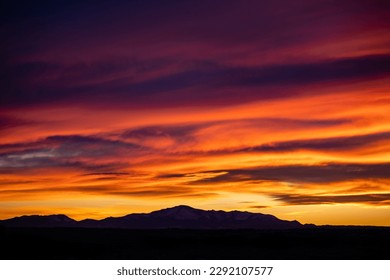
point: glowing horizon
(278, 109)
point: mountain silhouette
(182, 216)
(40, 221)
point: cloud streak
(326, 173)
(207, 79)
(375, 199)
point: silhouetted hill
(183, 217)
(183, 232)
(40, 221)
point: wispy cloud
(325, 173)
(162, 88)
(375, 199)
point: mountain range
(182, 216)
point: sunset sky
(114, 107)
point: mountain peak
(179, 207)
(181, 212)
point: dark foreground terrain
(82, 243)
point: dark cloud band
(375, 199)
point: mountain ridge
(181, 216)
